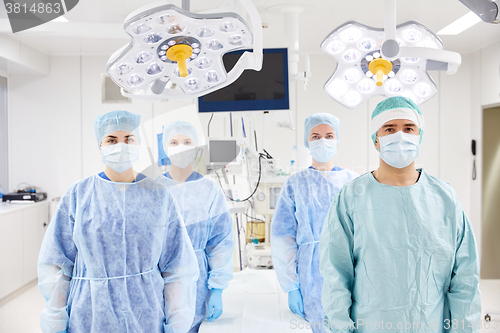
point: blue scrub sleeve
(55, 267)
(464, 297)
(284, 247)
(337, 264)
(179, 268)
(220, 245)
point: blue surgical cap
(318, 119)
(179, 127)
(397, 107)
(116, 121)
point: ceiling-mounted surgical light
(172, 44)
(390, 62)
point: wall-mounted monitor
(263, 90)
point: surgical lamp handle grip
(453, 59)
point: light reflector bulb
(214, 45)
(141, 28)
(211, 77)
(191, 84)
(176, 72)
(351, 55)
(336, 47)
(352, 98)
(154, 69)
(228, 27)
(366, 44)
(350, 34)
(153, 38)
(236, 40)
(408, 76)
(135, 80)
(175, 29)
(366, 86)
(203, 63)
(166, 19)
(412, 35)
(393, 86)
(205, 32)
(422, 89)
(144, 57)
(123, 69)
(352, 75)
(410, 60)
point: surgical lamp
(178, 54)
(391, 62)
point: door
(490, 261)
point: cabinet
(11, 253)
(22, 228)
(34, 221)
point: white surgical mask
(323, 150)
(121, 156)
(181, 155)
(399, 149)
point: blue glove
(215, 305)
(295, 302)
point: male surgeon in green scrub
(398, 253)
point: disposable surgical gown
(295, 232)
(399, 259)
(116, 257)
(210, 227)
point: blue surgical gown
(210, 227)
(116, 257)
(295, 232)
(404, 256)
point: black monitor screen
(266, 89)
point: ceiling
(95, 26)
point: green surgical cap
(397, 107)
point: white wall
(45, 133)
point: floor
(20, 315)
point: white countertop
(9, 207)
(254, 302)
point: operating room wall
(53, 144)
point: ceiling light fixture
(172, 44)
(391, 62)
(465, 22)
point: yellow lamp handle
(380, 75)
(180, 57)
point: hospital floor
(20, 315)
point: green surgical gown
(399, 259)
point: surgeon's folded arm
(337, 265)
(284, 247)
(464, 297)
(179, 268)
